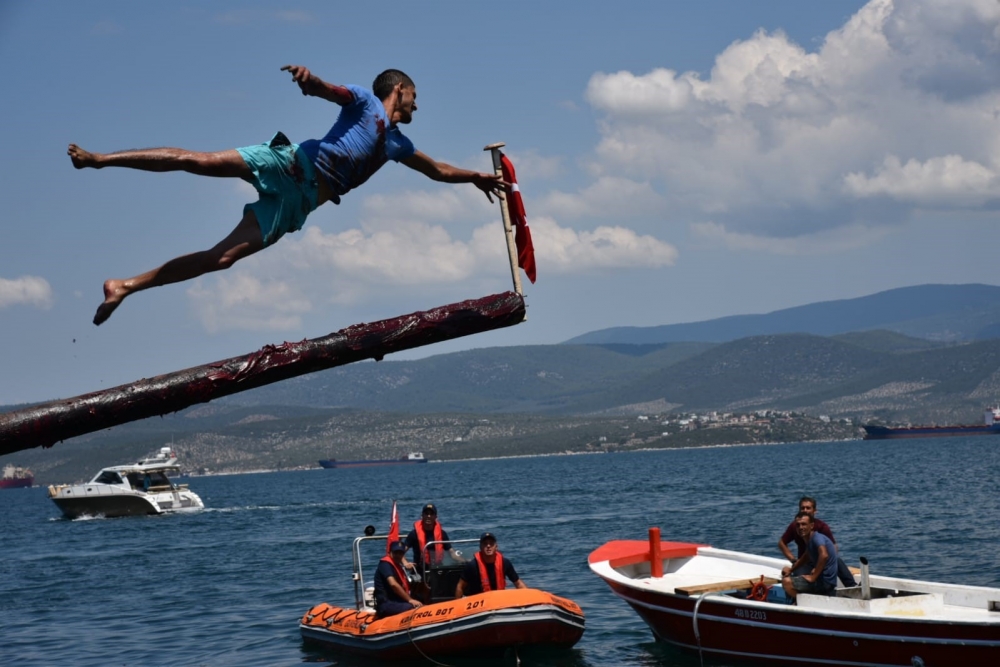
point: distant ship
(16, 478)
(990, 426)
(412, 457)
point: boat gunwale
(968, 617)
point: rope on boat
(409, 635)
(694, 620)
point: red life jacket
(418, 528)
(484, 577)
(400, 577)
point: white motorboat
(128, 490)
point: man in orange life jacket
(392, 589)
(427, 530)
(486, 572)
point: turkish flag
(518, 219)
(393, 530)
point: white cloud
(623, 92)
(532, 166)
(237, 300)
(937, 180)
(566, 250)
(777, 142)
(402, 253)
(26, 290)
(440, 205)
(820, 243)
(262, 16)
(608, 196)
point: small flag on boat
(393, 529)
(518, 219)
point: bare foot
(82, 158)
(114, 294)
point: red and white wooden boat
(703, 599)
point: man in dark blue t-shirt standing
(291, 179)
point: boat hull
(110, 502)
(484, 624)
(767, 634)
(694, 601)
(886, 433)
(17, 483)
(367, 464)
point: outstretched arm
(490, 184)
(785, 550)
(310, 84)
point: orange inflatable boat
(484, 624)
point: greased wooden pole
(505, 215)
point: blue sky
(678, 161)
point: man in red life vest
(428, 530)
(392, 589)
(486, 572)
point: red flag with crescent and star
(393, 530)
(518, 219)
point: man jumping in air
(293, 180)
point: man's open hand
(302, 76)
(490, 184)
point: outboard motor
(866, 587)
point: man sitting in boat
(807, 504)
(392, 588)
(821, 552)
(487, 571)
(426, 530)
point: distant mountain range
(935, 312)
(946, 376)
(559, 396)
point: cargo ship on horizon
(412, 457)
(16, 478)
(990, 426)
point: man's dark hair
(807, 499)
(387, 80)
(807, 515)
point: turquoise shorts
(286, 181)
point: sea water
(227, 586)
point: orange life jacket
(484, 577)
(418, 528)
(400, 577)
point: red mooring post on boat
(46, 424)
(655, 559)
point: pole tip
(499, 144)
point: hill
(933, 312)
(572, 397)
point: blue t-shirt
(829, 574)
(358, 144)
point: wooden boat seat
(736, 584)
